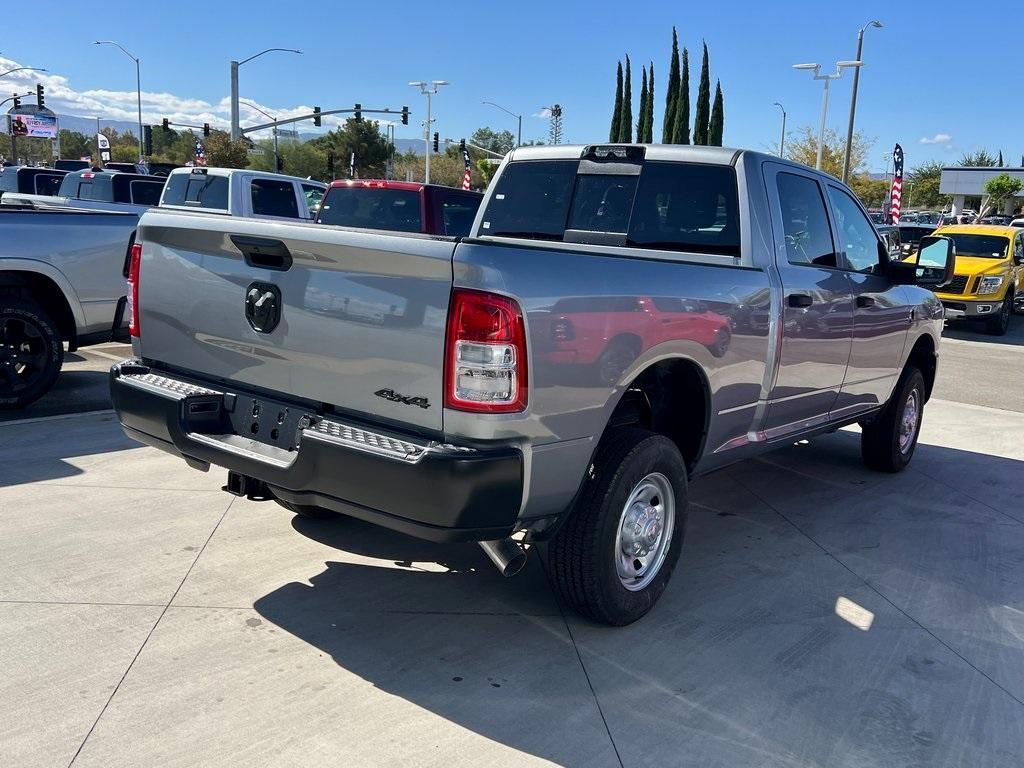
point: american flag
(200, 153)
(896, 195)
(467, 177)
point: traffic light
(330, 164)
(17, 103)
(359, 112)
(316, 116)
(405, 115)
(206, 129)
(437, 141)
(40, 100)
(147, 140)
(166, 125)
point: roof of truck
(701, 154)
(200, 169)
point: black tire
(722, 341)
(615, 359)
(885, 443)
(581, 557)
(309, 512)
(31, 353)
(1000, 324)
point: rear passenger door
(817, 311)
(881, 315)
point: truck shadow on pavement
(970, 331)
(821, 614)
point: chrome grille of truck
(373, 442)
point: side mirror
(930, 266)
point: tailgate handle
(263, 252)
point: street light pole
(277, 154)
(428, 90)
(236, 128)
(519, 119)
(853, 99)
(138, 86)
(782, 140)
(840, 66)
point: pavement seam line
(875, 589)
(149, 634)
(967, 495)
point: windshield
(981, 246)
(397, 210)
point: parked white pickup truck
(242, 193)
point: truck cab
(240, 192)
(29, 180)
(98, 190)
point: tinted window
(48, 183)
(531, 199)
(197, 190)
(686, 207)
(397, 210)
(983, 246)
(97, 188)
(313, 197)
(805, 221)
(146, 192)
(602, 203)
(458, 214)
(8, 181)
(913, 235)
(857, 234)
(274, 198)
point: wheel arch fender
(38, 275)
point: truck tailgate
(360, 320)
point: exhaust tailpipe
(507, 554)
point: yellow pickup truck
(988, 284)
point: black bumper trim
(450, 493)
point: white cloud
(123, 105)
(938, 138)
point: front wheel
(887, 444)
(613, 557)
(1000, 324)
(31, 353)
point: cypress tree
(999, 162)
(641, 118)
(649, 120)
(700, 126)
(671, 92)
(681, 134)
(717, 125)
(626, 118)
(613, 134)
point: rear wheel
(613, 557)
(1000, 323)
(31, 353)
(887, 444)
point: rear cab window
(146, 192)
(398, 210)
(202, 191)
(618, 200)
(274, 197)
(48, 183)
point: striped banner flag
(896, 194)
(467, 177)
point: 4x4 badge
(394, 397)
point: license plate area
(259, 419)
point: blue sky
(935, 71)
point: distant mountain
(87, 125)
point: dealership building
(964, 182)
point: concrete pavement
(821, 614)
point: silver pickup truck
(621, 319)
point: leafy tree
(649, 120)
(626, 118)
(365, 139)
(671, 93)
(979, 159)
(804, 149)
(871, 192)
(998, 190)
(496, 141)
(299, 158)
(124, 153)
(222, 152)
(681, 131)
(717, 125)
(613, 133)
(700, 126)
(925, 179)
(73, 144)
(641, 120)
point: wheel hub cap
(645, 531)
(908, 424)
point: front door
(817, 312)
(881, 312)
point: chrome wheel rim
(908, 423)
(645, 531)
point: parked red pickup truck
(400, 206)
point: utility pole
(428, 90)
(853, 99)
(236, 130)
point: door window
(274, 198)
(805, 221)
(857, 235)
(1018, 250)
(313, 195)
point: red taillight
(485, 356)
(133, 289)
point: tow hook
(249, 487)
